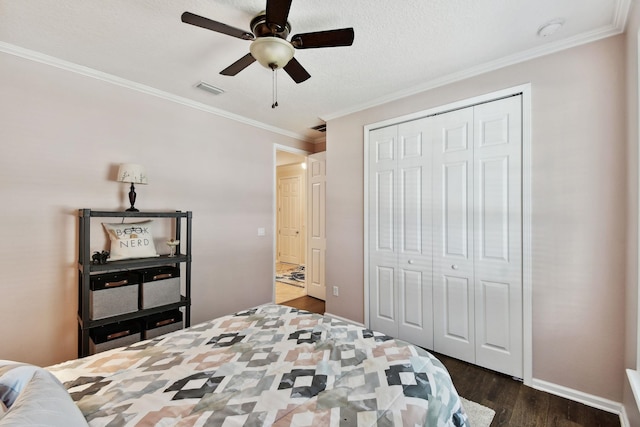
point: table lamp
(134, 174)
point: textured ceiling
(400, 47)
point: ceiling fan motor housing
(261, 28)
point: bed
(270, 365)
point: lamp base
(132, 199)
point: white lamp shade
(271, 52)
(131, 172)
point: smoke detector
(549, 28)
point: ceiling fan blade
(239, 65)
(296, 71)
(278, 12)
(330, 38)
(219, 27)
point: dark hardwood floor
(516, 405)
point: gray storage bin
(113, 336)
(162, 323)
(159, 286)
(112, 294)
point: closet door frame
(527, 282)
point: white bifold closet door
(400, 259)
(445, 233)
(477, 234)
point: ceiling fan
(268, 36)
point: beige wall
(579, 218)
(62, 136)
(631, 335)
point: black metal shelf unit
(86, 268)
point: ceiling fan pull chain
(275, 88)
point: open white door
(315, 268)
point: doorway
(290, 225)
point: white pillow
(14, 376)
(130, 240)
(39, 400)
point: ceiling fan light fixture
(271, 52)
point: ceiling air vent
(209, 88)
(320, 128)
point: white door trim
(527, 280)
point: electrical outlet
(335, 291)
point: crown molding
(622, 14)
(119, 81)
(618, 27)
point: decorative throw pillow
(130, 240)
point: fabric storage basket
(159, 286)
(112, 294)
(162, 323)
(114, 335)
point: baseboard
(581, 397)
(624, 418)
(342, 319)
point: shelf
(127, 264)
(88, 271)
(88, 324)
(125, 214)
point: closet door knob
(411, 261)
(454, 267)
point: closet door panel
(411, 296)
(495, 310)
(498, 235)
(414, 235)
(382, 231)
(456, 291)
(384, 290)
(451, 136)
(385, 206)
(493, 209)
(455, 209)
(411, 238)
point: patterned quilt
(271, 365)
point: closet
(445, 233)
